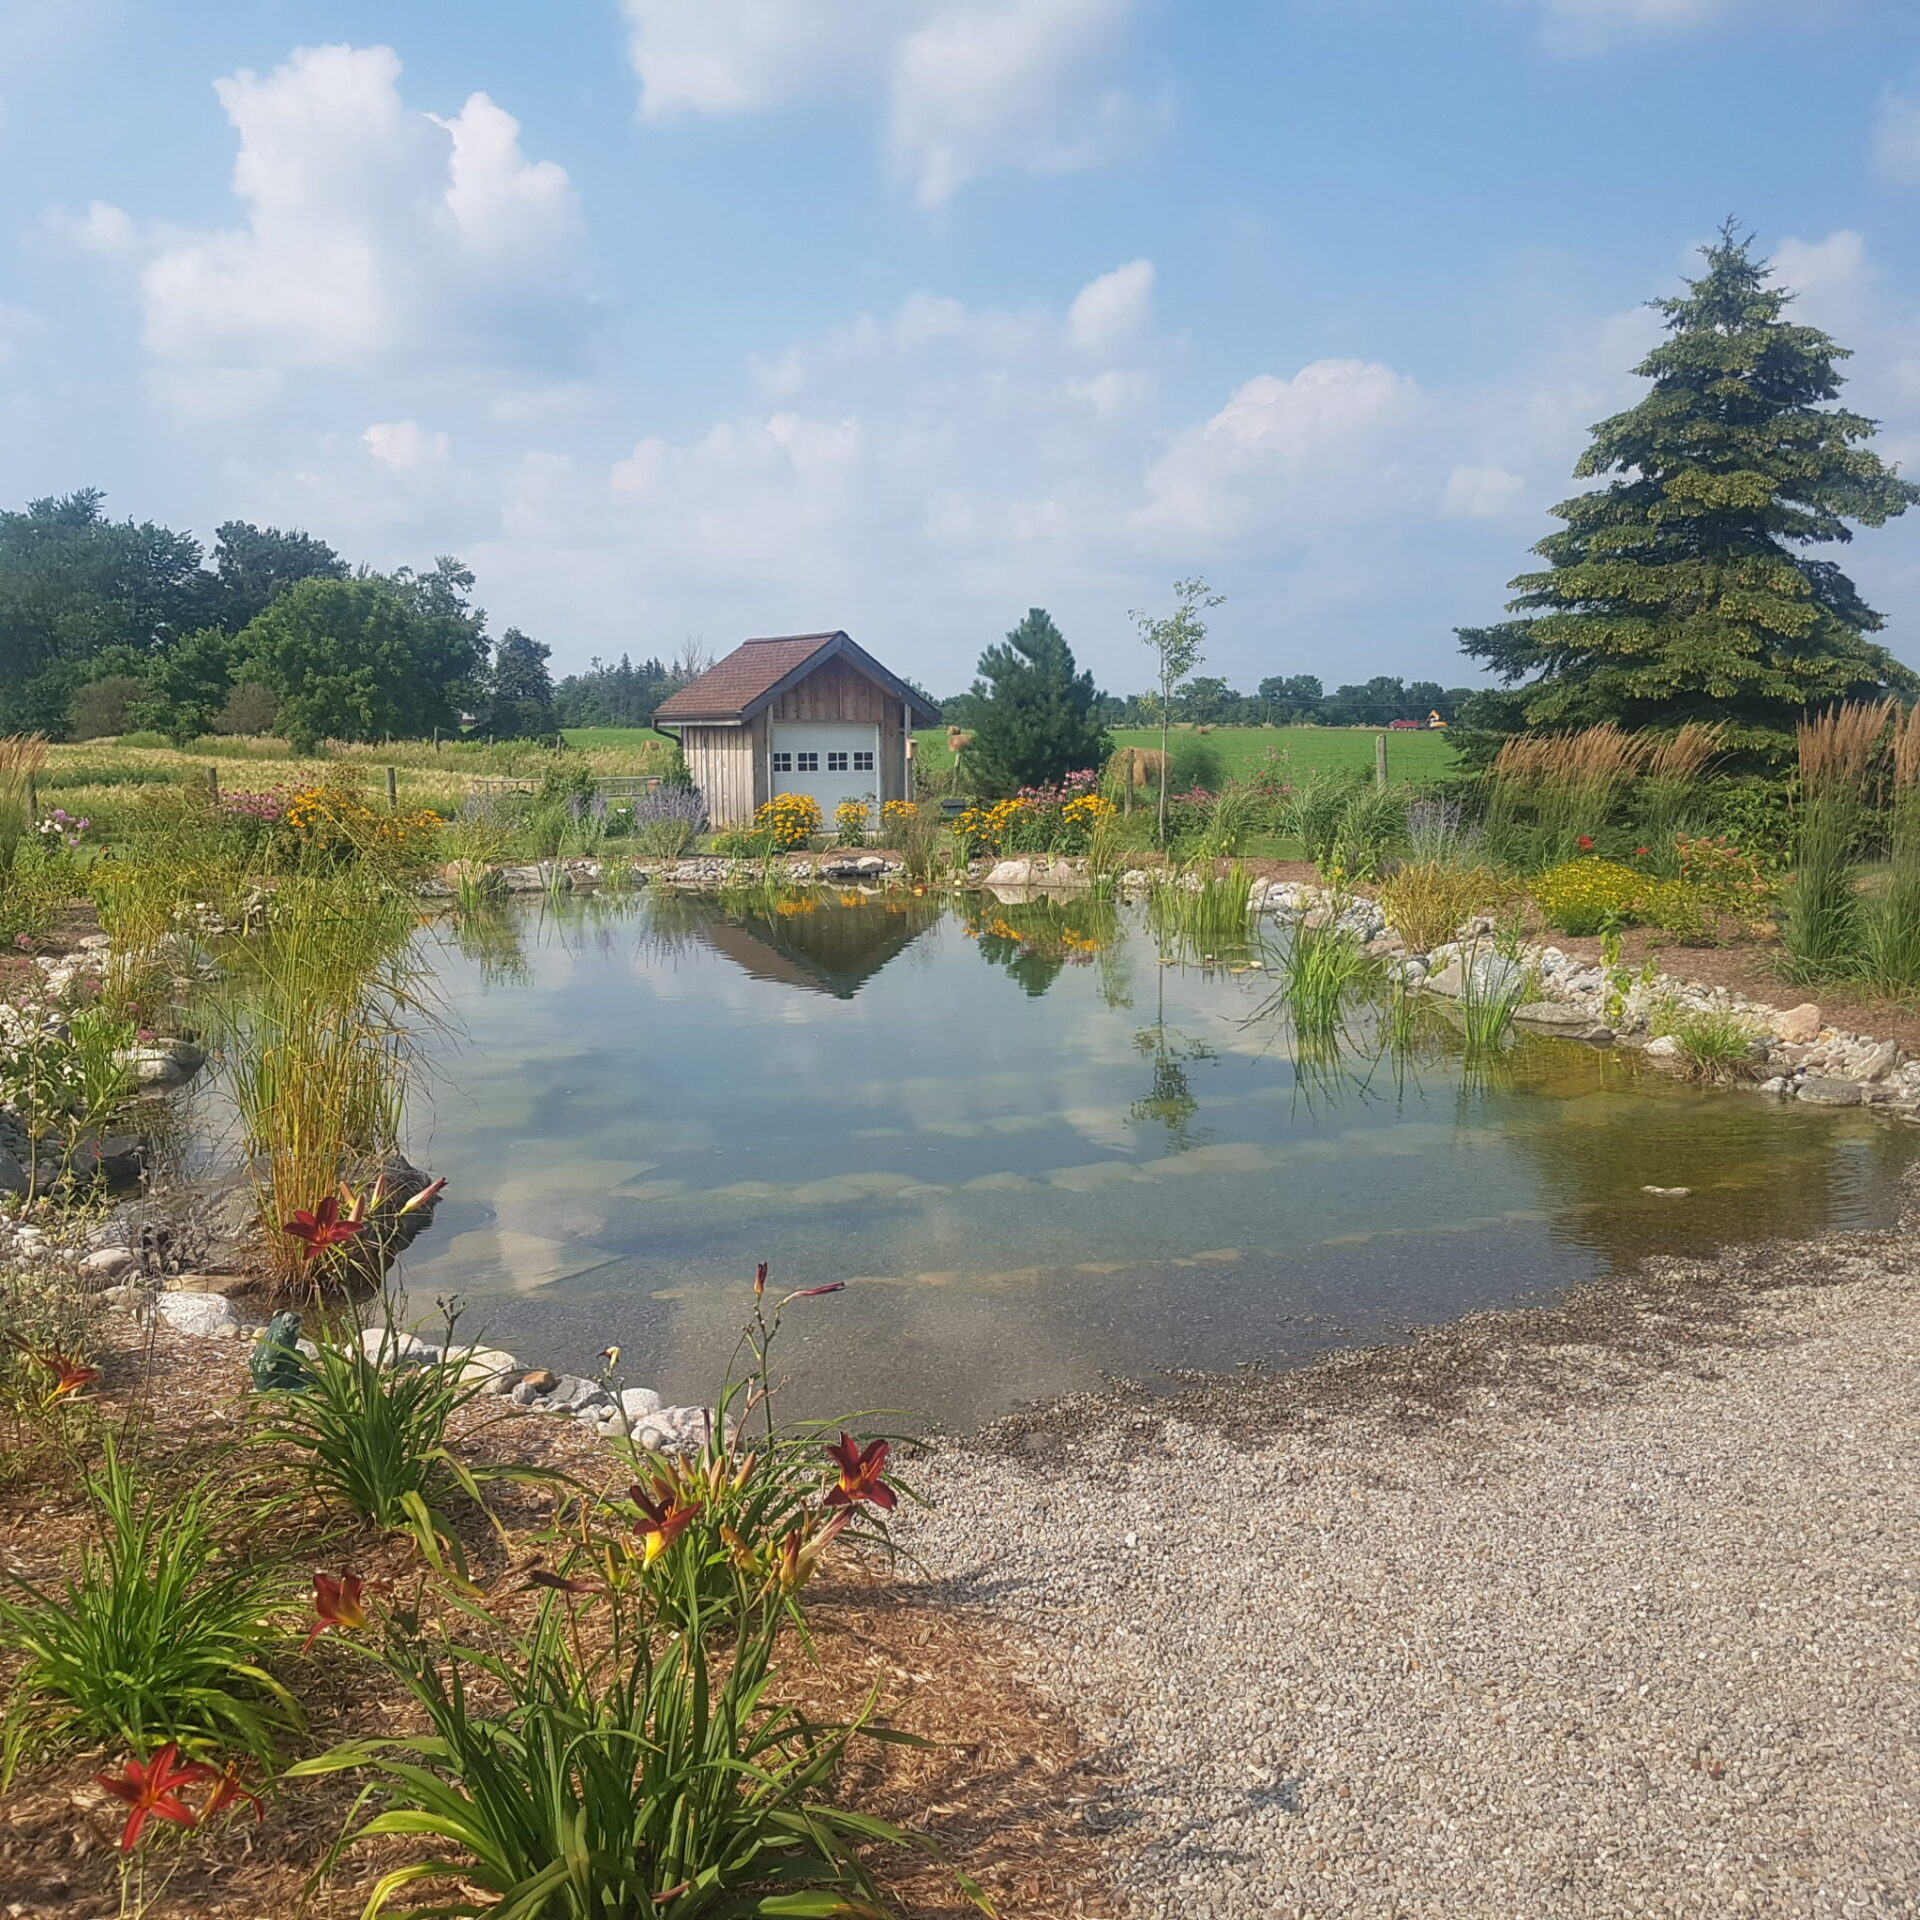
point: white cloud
(404, 445)
(1106, 311)
(101, 229)
(1116, 391)
(968, 86)
(751, 494)
(1275, 437)
(988, 83)
(1591, 26)
(372, 229)
(1829, 279)
(1896, 134)
(1481, 493)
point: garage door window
(837, 762)
(806, 763)
(863, 763)
(783, 763)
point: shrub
(1587, 896)
(250, 709)
(789, 819)
(668, 821)
(1425, 900)
(157, 1635)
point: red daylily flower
(338, 1603)
(229, 1790)
(69, 1376)
(150, 1789)
(1640, 853)
(1586, 843)
(324, 1227)
(662, 1521)
(860, 1471)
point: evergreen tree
(522, 689)
(1681, 589)
(1032, 714)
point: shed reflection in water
(1039, 1155)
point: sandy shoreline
(1611, 1608)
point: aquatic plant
(1199, 918)
(1715, 1043)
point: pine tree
(1033, 714)
(522, 689)
(1681, 589)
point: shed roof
(757, 671)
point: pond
(1039, 1157)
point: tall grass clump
(1426, 900)
(316, 1017)
(1200, 918)
(1438, 830)
(1671, 793)
(1715, 1043)
(1319, 969)
(1821, 931)
(22, 757)
(1548, 790)
(159, 1633)
(1494, 981)
(1891, 930)
(917, 831)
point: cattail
(1837, 747)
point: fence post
(213, 782)
(1380, 759)
(393, 790)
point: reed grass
(1319, 969)
(1426, 900)
(315, 1017)
(1822, 932)
(1671, 787)
(1204, 919)
(22, 757)
(1890, 931)
(1564, 785)
(1716, 1043)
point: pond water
(1039, 1157)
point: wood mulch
(1006, 1788)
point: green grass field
(614, 739)
(1246, 752)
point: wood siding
(720, 759)
(730, 764)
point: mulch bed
(1003, 1789)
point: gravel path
(1606, 1611)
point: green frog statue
(276, 1363)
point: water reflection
(1028, 1184)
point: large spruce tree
(1033, 714)
(1683, 589)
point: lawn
(1247, 751)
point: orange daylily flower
(229, 1790)
(69, 1375)
(150, 1790)
(338, 1603)
(861, 1469)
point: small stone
(1664, 1048)
(540, 1380)
(1798, 1026)
(109, 1260)
(638, 1402)
(1668, 1193)
(1877, 1062)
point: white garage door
(830, 761)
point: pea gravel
(1612, 1609)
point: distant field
(614, 739)
(1247, 751)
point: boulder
(1554, 1016)
(207, 1316)
(638, 1402)
(1493, 974)
(1664, 1048)
(1818, 1091)
(13, 1176)
(490, 1369)
(399, 1348)
(154, 1067)
(1798, 1026)
(110, 1261)
(537, 879)
(117, 1158)
(1877, 1062)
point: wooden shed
(808, 713)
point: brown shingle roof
(752, 670)
(755, 670)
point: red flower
(150, 1789)
(1586, 843)
(813, 1293)
(338, 1603)
(324, 1227)
(69, 1376)
(860, 1471)
(1640, 853)
(229, 1791)
(662, 1521)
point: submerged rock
(1818, 1091)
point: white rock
(207, 1316)
(638, 1402)
(1665, 1048)
(403, 1349)
(108, 1260)
(488, 1367)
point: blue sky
(722, 317)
